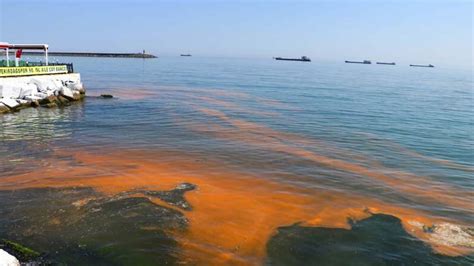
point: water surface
(279, 152)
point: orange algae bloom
(234, 213)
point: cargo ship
(386, 63)
(302, 59)
(365, 62)
(430, 65)
(186, 55)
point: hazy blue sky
(438, 32)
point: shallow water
(268, 145)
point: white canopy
(7, 46)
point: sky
(416, 31)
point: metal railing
(69, 66)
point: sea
(229, 161)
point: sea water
(293, 164)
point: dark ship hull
(293, 59)
(383, 63)
(422, 65)
(365, 62)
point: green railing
(22, 63)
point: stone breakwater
(49, 91)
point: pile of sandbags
(35, 92)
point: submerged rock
(8, 260)
(68, 226)
(377, 240)
(174, 197)
(25, 254)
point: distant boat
(302, 59)
(365, 62)
(384, 63)
(430, 65)
(186, 55)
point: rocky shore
(39, 91)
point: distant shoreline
(88, 54)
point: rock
(28, 89)
(78, 96)
(67, 92)
(452, 235)
(10, 91)
(73, 85)
(40, 85)
(20, 251)
(34, 98)
(50, 102)
(106, 96)
(57, 83)
(4, 109)
(7, 260)
(176, 196)
(63, 100)
(41, 95)
(185, 187)
(91, 233)
(50, 105)
(49, 99)
(9, 102)
(50, 93)
(367, 242)
(35, 103)
(47, 91)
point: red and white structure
(18, 48)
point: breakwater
(88, 54)
(49, 91)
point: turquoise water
(410, 129)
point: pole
(17, 57)
(8, 59)
(46, 54)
